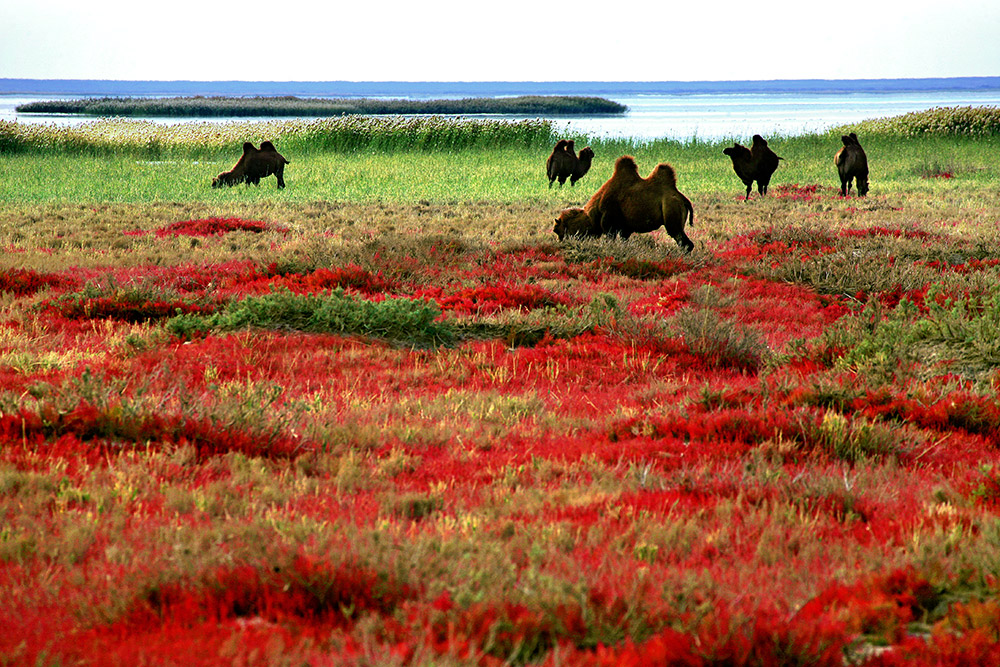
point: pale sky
(511, 40)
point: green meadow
(356, 178)
(369, 160)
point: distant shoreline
(243, 107)
(101, 87)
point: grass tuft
(720, 342)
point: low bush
(401, 321)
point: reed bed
(200, 106)
(143, 138)
(983, 121)
(389, 133)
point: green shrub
(956, 335)
(401, 321)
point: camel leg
(597, 223)
(683, 241)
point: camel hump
(664, 174)
(626, 164)
(850, 139)
(248, 147)
(759, 140)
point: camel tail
(690, 208)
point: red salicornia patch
(24, 282)
(212, 227)
(435, 449)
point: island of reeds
(198, 106)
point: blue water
(676, 110)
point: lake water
(714, 115)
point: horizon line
(508, 81)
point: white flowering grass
(142, 138)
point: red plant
(880, 606)
(306, 589)
(214, 227)
(487, 300)
(609, 497)
(25, 282)
(90, 433)
(125, 307)
(348, 277)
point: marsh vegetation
(383, 417)
(207, 107)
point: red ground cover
(613, 494)
(211, 227)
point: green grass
(400, 177)
(505, 174)
(366, 159)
